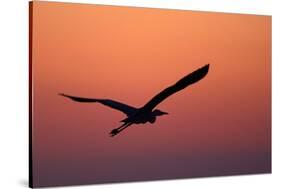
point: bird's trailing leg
(119, 129)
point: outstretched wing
(126, 109)
(181, 84)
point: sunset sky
(219, 126)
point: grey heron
(146, 113)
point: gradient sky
(219, 126)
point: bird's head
(157, 112)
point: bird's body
(147, 113)
(142, 116)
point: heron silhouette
(146, 113)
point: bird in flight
(146, 113)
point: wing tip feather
(203, 70)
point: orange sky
(219, 126)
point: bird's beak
(165, 113)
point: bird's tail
(126, 120)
